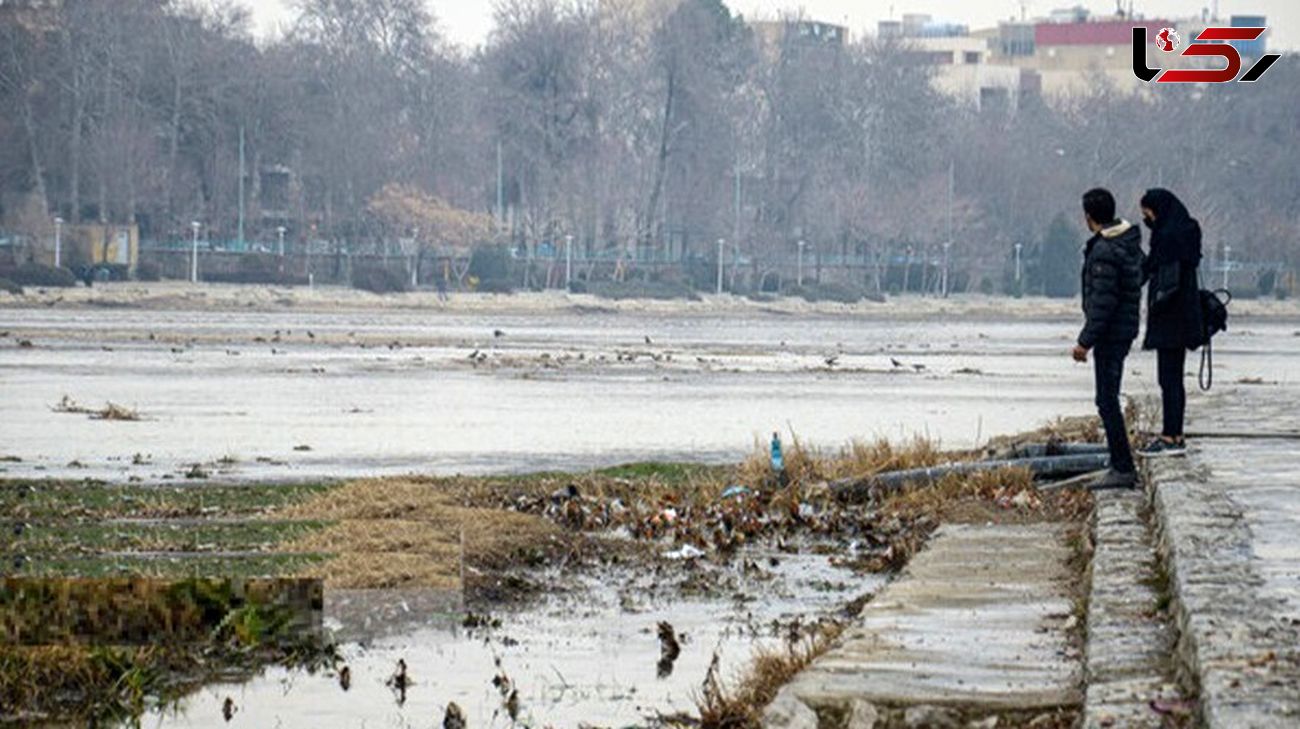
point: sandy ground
(184, 296)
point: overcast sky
(467, 22)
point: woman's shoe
(1161, 448)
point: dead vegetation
(110, 411)
(1077, 429)
(97, 649)
(415, 533)
(741, 704)
(430, 531)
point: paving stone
(977, 620)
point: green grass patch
(169, 566)
(90, 499)
(94, 537)
(664, 472)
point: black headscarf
(1175, 235)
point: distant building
(777, 36)
(961, 61)
(1058, 56)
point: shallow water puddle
(589, 655)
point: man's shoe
(1115, 480)
(1161, 448)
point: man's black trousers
(1108, 365)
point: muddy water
(588, 655)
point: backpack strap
(1205, 378)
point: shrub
(38, 274)
(10, 287)
(577, 286)
(495, 286)
(841, 293)
(148, 271)
(258, 268)
(490, 262)
(661, 290)
(380, 280)
(1267, 282)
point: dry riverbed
(605, 596)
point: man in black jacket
(1112, 289)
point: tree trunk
(105, 159)
(646, 233)
(74, 142)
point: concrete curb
(1234, 645)
(1129, 641)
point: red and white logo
(1167, 40)
(1210, 43)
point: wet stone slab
(1228, 518)
(979, 621)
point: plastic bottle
(778, 461)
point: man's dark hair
(1099, 204)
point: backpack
(1214, 319)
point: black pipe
(1049, 467)
(1043, 450)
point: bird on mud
(228, 709)
(919, 367)
(454, 718)
(669, 649)
(896, 363)
(512, 705)
(498, 333)
(647, 339)
(832, 360)
(400, 681)
(345, 678)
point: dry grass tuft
(1075, 429)
(388, 570)
(413, 533)
(112, 411)
(859, 459)
(741, 706)
(379, 536)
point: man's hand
(1080, 353)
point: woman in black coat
(1173, 307)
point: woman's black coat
(1173, 301)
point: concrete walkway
(979, 621)
(1229, 522)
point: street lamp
(799, 275)
(568, 260)
(1227, 264)
(194, 252)
(721, 244)
(415, 257)
(907, 271)
(280, 230)
(947, 247)
(58, 241)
